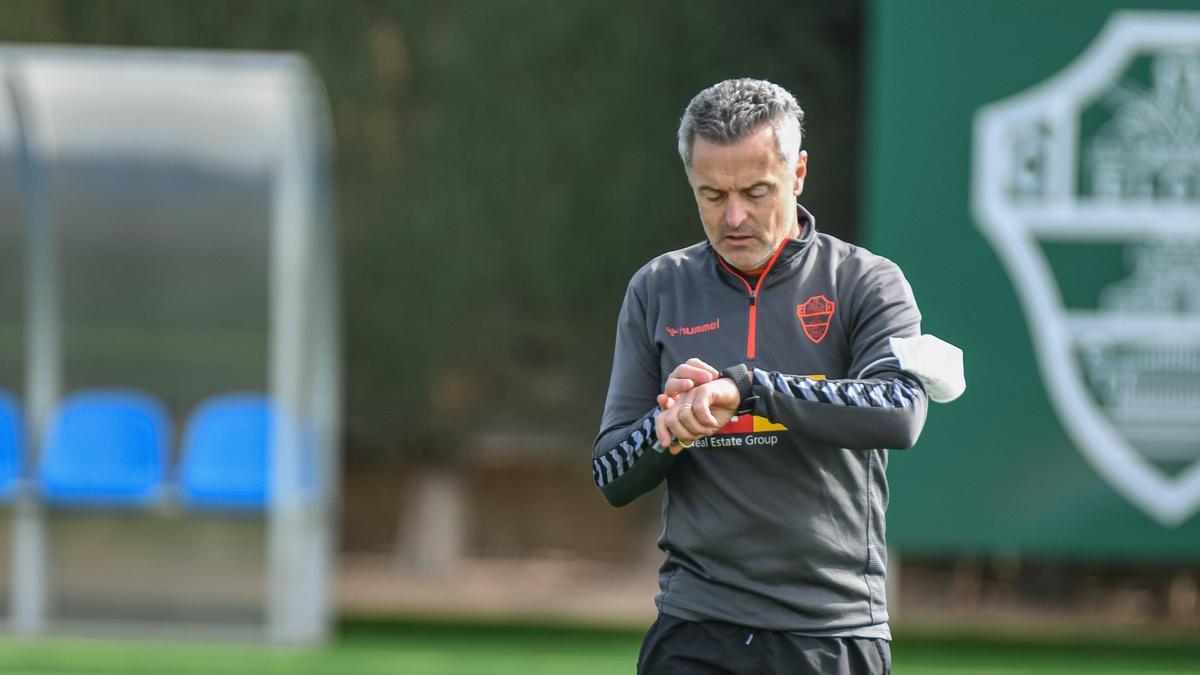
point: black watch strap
(744, 381)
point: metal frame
(43, 369)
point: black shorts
(702, 647)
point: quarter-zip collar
(786, 259)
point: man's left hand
(696, 414)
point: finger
(660, 429)
(678, 385)
(697, 374)
(677, 429)
(672, 428)
(703, 366)
(691, 425)
(678, 445)
(664, 401)
(704, 416)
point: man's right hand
(688, 376)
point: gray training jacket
(777, 521)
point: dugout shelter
(169, 380)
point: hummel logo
(693, 330)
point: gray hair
(731, 111)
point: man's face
(747, 196)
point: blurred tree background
(503, 167)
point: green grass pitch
(423, 648)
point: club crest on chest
(815, 314)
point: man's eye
(714, 197)
(757, 192)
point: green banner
(1035, 170)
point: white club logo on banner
(1124, 376)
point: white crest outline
(1013, 231)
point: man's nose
(735, 213)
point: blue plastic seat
(11, 445)
(226, 454)
(106, 448)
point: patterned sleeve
(624, 463)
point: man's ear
(801, 172)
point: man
(760, 360)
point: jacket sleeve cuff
(740, 375)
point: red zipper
(753, 292)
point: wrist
(725, 393)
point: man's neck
(796, 232)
